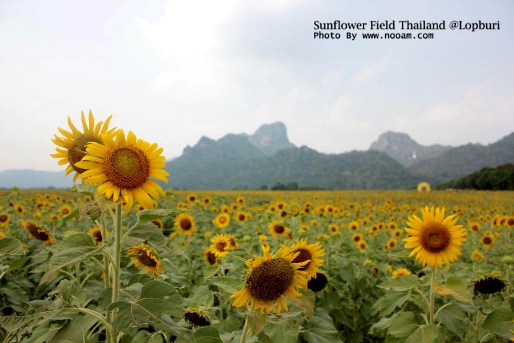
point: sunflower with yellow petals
(71, 146)
(38, 232)
(145, 258)
(124, 168)
(308, 252)
(221, 245)
(270, 278)
(435, 238)
(222, 220)
(185, 224)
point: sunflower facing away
(71, 147)
(435, 239)
(123, 167)
(310, 253)
(270, 279)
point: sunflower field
(119, 259)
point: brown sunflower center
(279, 229)
(127, 167)
(3, 218)
(97, 234)
(435, 237)
(303, 256)
(196, 319)
(271, 279)
(487, 240)
(78, 150)
(147, 259)
(211, 257)
(222, 220)
(185, 224)
(221, 246)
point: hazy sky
(172, 71)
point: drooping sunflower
(185, 224)
(318, 282)
(488, 285)
(435, 239)
(222, 220)
(307, 252)
(145, 258)
(196, 317)
(123, 167)
(71, 147)
(270, 278)
(38, 232)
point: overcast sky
(172, 71)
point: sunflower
(241, 217)
(123, 168)
(185, 224)
(96, 233)
(435, 239)
(307, 252)
(38, 232)
(71, 146)
(271, 278)
(362, 245)
(318, 282)
(222, 220)
(487, 239)
(220, 245)
(474, 226)
(477, 256)
(4, 219)
(232, 242)
(278, 229)
(488, 285)
(423, 187)
(146, 258)
(19, 208)
(354, 226)
(333, 229)
(400, 272)
(357, 238)
(210, 256)
(196, 317)
(65, 210)
(391, 244)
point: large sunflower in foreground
(435, 239)
(310, 253)
(71, 147)
(123, 167)
(270, 279)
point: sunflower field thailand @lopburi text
(122, 257)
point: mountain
(404, 149)
(271, 138)
(27, 178)
(460, 161)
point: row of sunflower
(352, 266)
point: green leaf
(284, 332)
(454, 319)
(157, 289)
(389, 302)
(76, 248)
(424, 334)
(256, 322)
(11, 247)
(403, 325)
(320, 328)
(70, 216)
(456, 288)
(19, 263)
(227, 283)
(145, 232)
(306, 302)
(149, 215)
(207, 334)
(401, 283)
(500, 322)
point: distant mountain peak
(402, 148)
(271, 138)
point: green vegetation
(499, 178)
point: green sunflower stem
(116, 266)
(244, 334)
(431, 300)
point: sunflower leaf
(149, 215)
(456, 288)
(401, 283)
(70, 216)
(11, 247)
(424, 334)
(500, 322)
